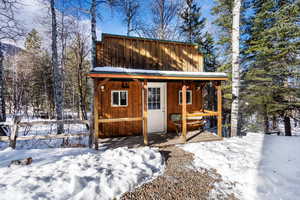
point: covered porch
(158, 140)
(142, 78)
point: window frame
(119, 100)
(180, 95)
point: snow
(256, 166)
(65, 173)
(37, 130)
(131, 70)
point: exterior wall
(134, 108)
(173, 106)
(142, 53)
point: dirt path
(179, 181)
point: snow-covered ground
(38, 130)
(78, 173)
(258, 166)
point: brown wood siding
(134, 109)
(173, 106)
(119, 51)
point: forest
(47, 76)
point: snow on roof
(108, 69)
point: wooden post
(219, 95)
(96, 115)
(202, 86)
(145, 113)
(184, 128)
(14, 132)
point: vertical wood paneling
(148, 54)
(134, 109)
(173, 100)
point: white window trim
(111, 98)
(187, 91)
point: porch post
(145, 112)
(184, 128)
(96, 115)
(219, 96)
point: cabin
(146, 86)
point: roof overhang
(129, 73)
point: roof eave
(154, 76)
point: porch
(158, 140)
(128, 102)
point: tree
(77, 68)
(57, 71)
(223, 20)
(9, 29)
(235, 126)
(274, 49)
(192, 23)
(130, 11)
(162, 22)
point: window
(119, 98)
(188, 97)
(154, 98)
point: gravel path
(179, 181)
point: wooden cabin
(139, 83)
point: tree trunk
(266, 123)
(57, 72)
(287, 126)
(93, 54)
(235, 126)
(274, 123)
(2, 100)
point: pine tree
(223, 12)
(272, 51)
(192, 21)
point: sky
(35, 13)
(112, 22)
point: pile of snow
(77, 173)
(259, 166)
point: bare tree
(235, 126)
(130, 9)
(57, 71)
(164, 13)
(9, 29)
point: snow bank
(77, 173)
(259, 166)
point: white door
(157, 107)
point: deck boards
(157, 140)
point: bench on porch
(176, 119)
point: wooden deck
(157, 140)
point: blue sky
(112, 20)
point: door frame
(165, 102)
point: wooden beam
(184, 127)
(155, 77)
(219, 96)
(120, 119)
(202, 114)
(96, 114)
(145, 112)
(44, 137)
(34, 123)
